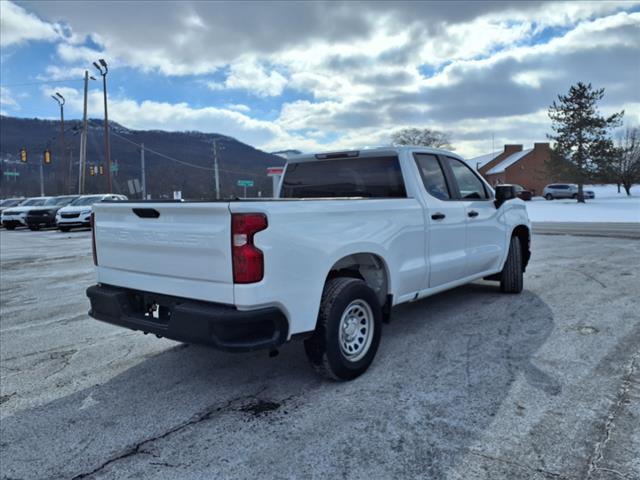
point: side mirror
(504, 193)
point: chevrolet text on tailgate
(351, 235)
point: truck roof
(368, 152)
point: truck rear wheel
(348, 330)
(511, 277)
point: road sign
(114, 168)
(245, 183)
(12, 174)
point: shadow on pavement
(443, 370)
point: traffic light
(23, 155)
(47, 157)
(101, 169)
(92, 170)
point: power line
(193, 165)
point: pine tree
(582, 148)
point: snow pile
(608, 206)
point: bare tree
(625, 168)
(425, 137)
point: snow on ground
(608, 206)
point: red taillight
(248, 261)
(93, 239)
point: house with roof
(516, 165)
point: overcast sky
(319, 76)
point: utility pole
(215, 168)
(42, 179)
(102, 68)
(142, 170)
(62, 184)
(69, 183)
(82, 166)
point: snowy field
(608, 206)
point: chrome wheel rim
(356, 330)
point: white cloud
(532, 78)
(170, 116)
(238, 107)
(357, 65)
(7, 99)
(53, 72)
(251, 76)
(19, 26)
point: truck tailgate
(181, 249)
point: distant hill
(237, 161)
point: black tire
(548, 196)
(574, 196)
(34, 228)
(64, 229)
(511, 277)
(323, 348)
(10, 227)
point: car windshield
(10, 202)
(34, 202)
(59, 200)
(82, 201)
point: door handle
(473, 213)
(438, 216)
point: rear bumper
(192, 321)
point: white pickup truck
(351, 235)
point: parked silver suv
(564, 190)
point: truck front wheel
(511, 277)
(348, 331)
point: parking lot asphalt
(468, 384)
(589, 229)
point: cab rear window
(369, 177)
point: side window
(432, 176)
(470, 186)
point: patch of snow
(608, 206)
(507, 162)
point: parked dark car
(46, 216)
(523, 193)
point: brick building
(515, 165)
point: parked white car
(10, 202)
(78, 213)
(15, 216)
(565, 190)
(353, 234)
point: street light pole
(62, 184)
(102, 68)
(82, 167)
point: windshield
(82, 201)
(10, 202)
(60, 200)
(34, 202)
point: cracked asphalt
(468, 384)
